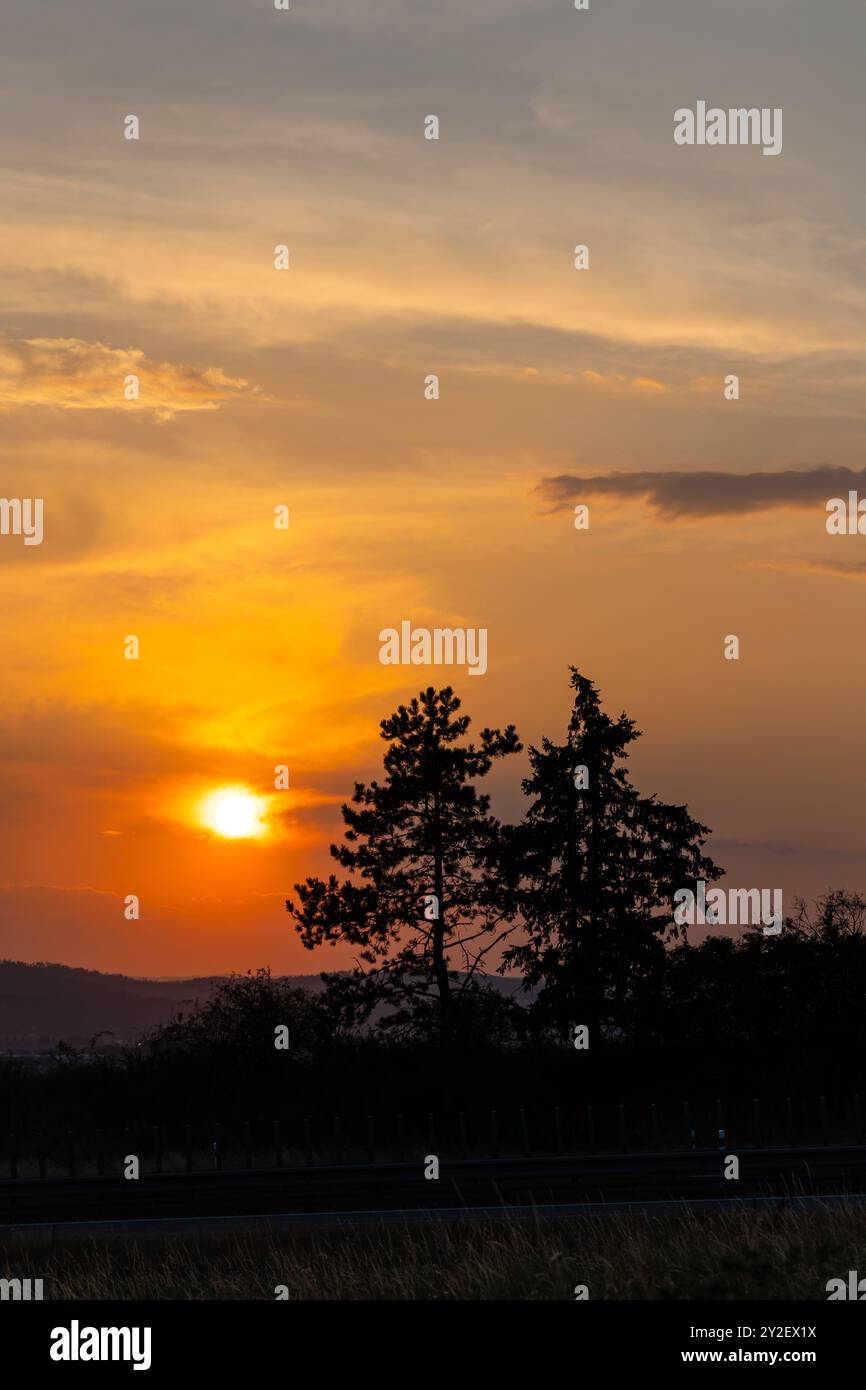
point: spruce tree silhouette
(425, 848)
(595, 867)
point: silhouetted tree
(785, 1009)
(835, 914)
(235, 1024)
(597, 865)
(423, 841)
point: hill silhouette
(42, 1003)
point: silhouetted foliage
(579, 899)
(425, 832)
(734, 1018)
(780, 1004)
(237, 1023)
(597, 866)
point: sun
(234, 813)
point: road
(353, 1191)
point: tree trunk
(440, 968)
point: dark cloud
(705, 493)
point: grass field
(734, 1254)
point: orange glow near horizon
(279, 487)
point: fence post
(687, 1124)
(371, 1140)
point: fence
(582, 1129)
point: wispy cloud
(676, 495)
(832, 569)
(76, 375)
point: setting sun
(233, 813)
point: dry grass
(734, 1254)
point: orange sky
(305, 388)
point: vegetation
(740, 1252)
(428, 855)
(577, 898)
(597, 866)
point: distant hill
(42, 1004)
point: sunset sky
(306, 388)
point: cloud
(705, 493)
(620, 381)
(833, 569)
(648, 383)
(77, 375)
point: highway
(355, 1192)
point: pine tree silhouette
(596, 866)
(422, 841)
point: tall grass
(738, 1253)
